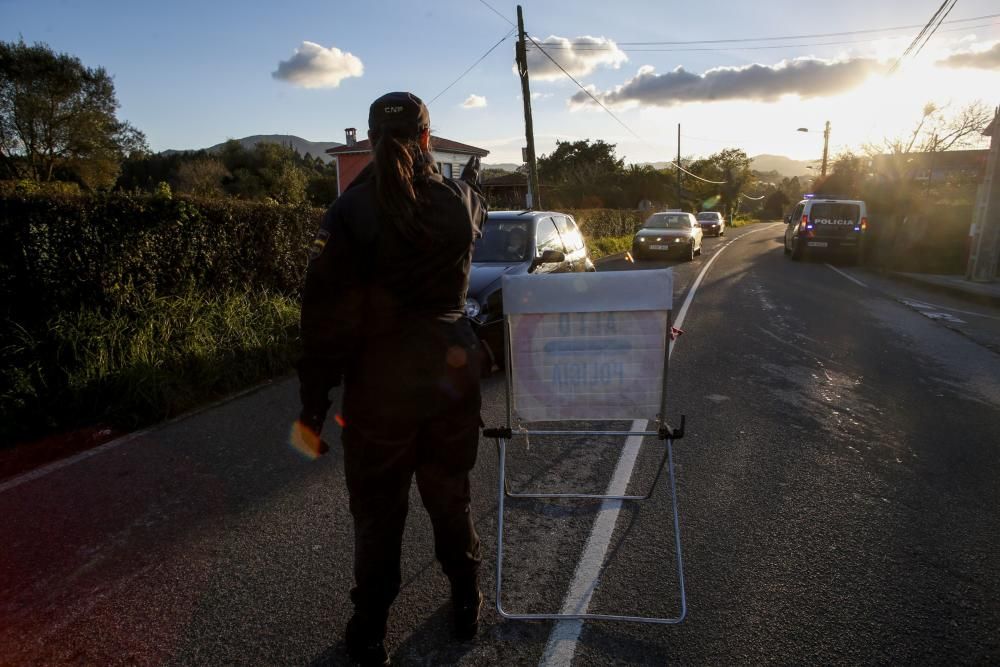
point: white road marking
(849, 277)
(947, 317)
(921, 305)
(118, 442)
(562, 641)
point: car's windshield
(709, 216)
(668, 221)
(502, 241)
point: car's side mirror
(788, 219)
(551, 257)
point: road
(839, 487)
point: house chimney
(352, 136)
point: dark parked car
(712, 223)
(825, 224)
(668, 233)
(518, 242)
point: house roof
(990, 129)
(437, 143)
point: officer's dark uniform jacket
(386, 313)
(371, 294)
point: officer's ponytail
(399, 161)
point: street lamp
(826, 145)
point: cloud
(806, 77)
(579, 56)
(988, 59)
(474, 102)
(313, 66)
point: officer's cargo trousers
(415, 412)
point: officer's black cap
(401, 111)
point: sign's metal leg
(501, 456)
(501, 471)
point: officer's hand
(470, 174)
(305, 439)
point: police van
(826, 224)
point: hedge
(104, 251)
(598, 223)
(125, 309)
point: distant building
(510, 191)
(937, 166)
(353, 156)
(984, 234)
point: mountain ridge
(302, 146)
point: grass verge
(130, 367)
(609, 245)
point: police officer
(383, 311)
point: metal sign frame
(665, 433)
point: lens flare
(456, 357)
(711, 202)
(306, 441)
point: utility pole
(534, 194)
(984, 258)
(679, 166)
(826, 148)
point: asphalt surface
(839, 489)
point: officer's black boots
(365, 641)
(467, 601)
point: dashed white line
(561, 646)
(848, 276)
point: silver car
(671, 233)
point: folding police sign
(588, 347)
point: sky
(193, 74)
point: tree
(938, 131)
(732, 167)
(581, 169)
(846, 176)
(775, 205)
(57, 118)
(580, 163)
(202, 177)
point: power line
(492, 9)
(919, 36)
(611, 113)
(743, 48)
(778, 38)
(471, 67)
(935, 28)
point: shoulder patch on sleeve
(318, 245)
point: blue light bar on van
(808, 196)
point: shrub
(105, 251)
(598, 223)
(133, 366)
(609, 245)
